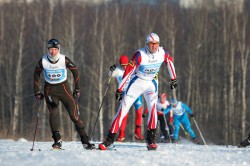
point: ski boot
(164, 137)
(121, 136)
(120, 139)
(57, 140)
(196, 141)
(107, 142)
(86, 144)
(245, 143)
(150, 140)
(174, 141)
(138, 134)
(164, 140)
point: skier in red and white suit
(118, 72)
(143, 68)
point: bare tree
(3, 123)
(241, 21)
(18, 93)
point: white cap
(152, 37)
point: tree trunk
(231, 95)
(18, 78)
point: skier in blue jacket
(180, 117)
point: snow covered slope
(17, 153)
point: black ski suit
(60, 92)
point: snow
(18, 153)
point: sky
(18, 153)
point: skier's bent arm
(170, 65)
(167, 110)
(38, 70)
(74, 70)
(184, 106)
(129, 71)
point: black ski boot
(196, 141)
(165, 137)
(245, 143)
(151, 140)
(110, 140)
(57, 140)
(175, 141)
(86, 144)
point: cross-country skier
(118, 71)
(143, 68)
(180, 111)
(245, 142)
(56, 88)
(166, 121)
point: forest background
(210, 46)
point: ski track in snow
(18, 153)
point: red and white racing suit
(118, 74)
(143, 68)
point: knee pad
(52, 101)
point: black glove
(112, 68)
(118, 95)
(143, 115)
(191, 115)
(173, 84)
(162, 110)
(39, 96)
(76, 94)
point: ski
(147, 150)
(57, 149)
(152, 149)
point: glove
(39, 96)
(173, 84)
(112, 68)
(191, 115)
(143, 115)
(118, 95)
(76, 94)
(162, 110)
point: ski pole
(199, 131)
(185, 132)
(174, 93)
(101, 104)
(167, 128)
(77, 107)
(37, 118)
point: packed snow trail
(128, 153)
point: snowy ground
(17, 153)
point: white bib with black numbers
(150, 64)
(54, 73)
